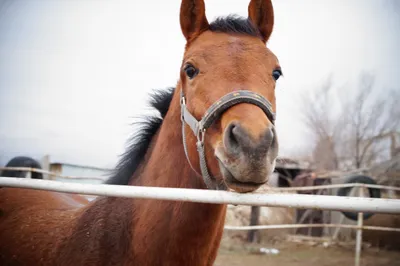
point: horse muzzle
(246, 164)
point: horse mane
(138, 144)
(234, 24)
(161, 100)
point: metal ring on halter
(213, 112)
(202, 133)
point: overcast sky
(75, 74)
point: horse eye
(276, 74)
(191, 71)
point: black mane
(139, 143)
(235, 24)
(161, 100)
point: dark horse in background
(215, 131)
(22, 161)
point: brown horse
(216, 131)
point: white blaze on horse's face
(241, 145)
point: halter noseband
(216, 110)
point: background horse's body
(48, 228)
(22, 161)
(33, 224)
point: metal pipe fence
(334, 203)
(292, 226)
(272, 189)
(272, 198)
(40, 171)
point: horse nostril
(237, 140)
(231, 138)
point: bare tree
(370, 117)
(347, 129)
(323, 124)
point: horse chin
(236, 185)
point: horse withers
(216, 131)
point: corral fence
(273, 198)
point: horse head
(227, 83)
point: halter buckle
(183, 102)
(200, 136)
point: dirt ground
(295, 254)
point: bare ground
(295, 254)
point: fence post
(342, 217)
(360, 220)
(254, 235)
(46, 166)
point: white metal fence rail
(272, 189)
(334, 203)
(272, 199)
(52, 174)
(290, 226)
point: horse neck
(165, 164)
(193, 229)
(150, 232)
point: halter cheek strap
(215, 111)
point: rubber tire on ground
(373, 193)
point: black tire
(373, 193)
(22, 161)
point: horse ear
(261, 13)
(193, 18)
